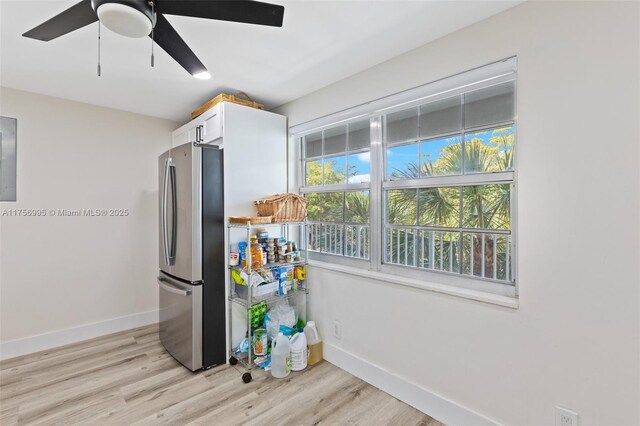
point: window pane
(402, 125)
(489, 150)
(314, 209)
(356, 208)
(401, 206)
(335, 140)
(491, 105)
(313, 145)
(441, 157)
(439, 207)
(441, 117)
(359, 167)
(486, 206)
(359, 135)
(335, 170)
(438, 250)
(402, 162)
(325, 206)
(487, 256)
(313, 173)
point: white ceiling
(320, 42)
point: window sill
(479, 296)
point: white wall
(59, 273)
(574, 341)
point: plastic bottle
(242, 249)
(256, 253)
(315, 343)
(299, 353)
(280, 356)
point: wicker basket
(283, 207)
(223, 97)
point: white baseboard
(430, 403)
(41, 342)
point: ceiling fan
(141, 18)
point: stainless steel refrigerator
(192, 255)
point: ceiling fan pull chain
(99, 73)
(153, 11)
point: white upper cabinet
(204, 129)
(193, 131)
(250, 138)
(211, 122)
(179, 137)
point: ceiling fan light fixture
(124, 20)
(203, 75)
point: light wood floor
(128, 378)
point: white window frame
(475, 287)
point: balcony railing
(350, 240)
(485, 254)
(480, 253)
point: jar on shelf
(256, 253)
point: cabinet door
(179, 137)
(193, 132)
(211, 121)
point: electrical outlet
(565, 417)
(337, 329)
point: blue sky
(362, 164)
(399, 157)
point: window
(437, 215)
(337, 170)
(434, 174)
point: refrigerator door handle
(165, 284)
(165, 231)
(174, 214)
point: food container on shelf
(260, 345)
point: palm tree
(357, 213)
(357, 207)
(483, 207)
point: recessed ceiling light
(204, 75)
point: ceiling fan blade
(249, 12)
(76, 17)
(171, 42)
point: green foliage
(356, 207)
(324, 207)
(482, 206)
(472, 206)
(401, 207)
(328, 207)
(439, 207)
